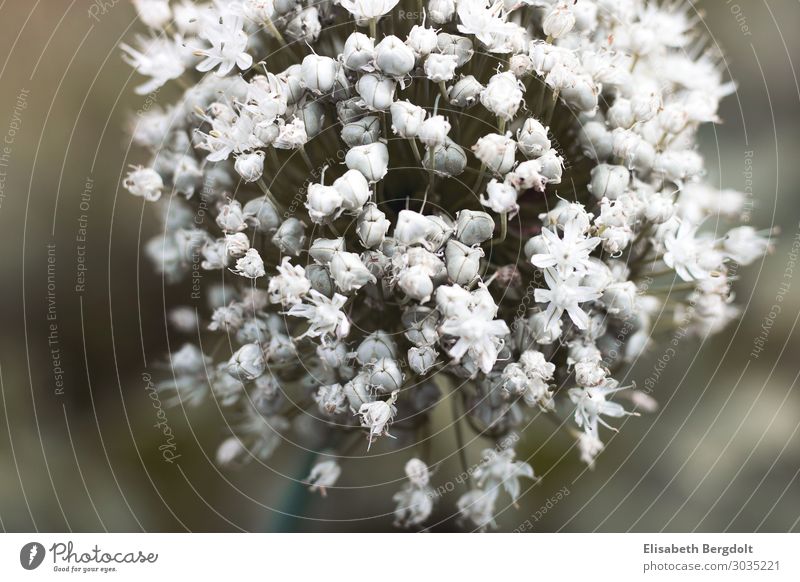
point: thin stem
(415, 149)
(443, 90)
(462, 451)
(503, 229)
(307, 160)
(373, 28)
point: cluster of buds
(489, 200)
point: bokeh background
(721, 454)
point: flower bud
(559, 20)
(458, 46)
(290, 237)
(375, 346)
(323, 203)
(322, 249)
(416, 283)
(250, 166)
(372, 226)
(319, 73)
(632, 150)
(350, 110)
(312, 113)
(371, 160)
(552, 166)
(521, 65)
(422, 359)
(385, 375)
(441, 11)
(659, 208)
(331, 399)
(527, 175)
(376, 91)
(320, 279)
(247, 363)
(354, 190)
(348, 272)
(358, 52)
(463, 262)
(144, 182)
(422, 40)
(267, 131)
(365, 131)
(433, 131)
(532, 138)
(448, 159)
(291, 135)
(581, 93)
(500, 197)
(465, 92)
(497, 152)
(393, 57)
(250, 265)
(231, 217)
(406, 118)
(596, 141)
(609, 181)
(440, 233)
(412, 228)
(440, 67)
(473, 227)
(292, 81)
(236, 244)
(620, 299)
(503, 95)
(187, 177)
(305, 26)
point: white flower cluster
(503, 193)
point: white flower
(414, 506)
(434, 130)
(685, 252)
(421, 40)
(568, 254)
(565, 295)
(478, 334)
(354, 190)
(393, 57)
(290, 285)
(501, 197)
(348, 272)
(250, 166)
(325, 316)
(406, 118)
(247, 363)
(331, 399)
(559, 20)
(324, 203)
(161, 59)
(228, 45)
(323, 474)
(231, 217)
(376, 91)
(503, 95)
(372, 226)
(368, 9)
(497, 152)
(376, 416)
(532, 138)
(417, 473)
(371, 160)
(250, 265)
(590, 403)
(144, 182)
(292, 135)
(439, 67)
(236, 244)
(590, 446)
(744, 245)
(154, 13)
(500, 469)
(478, 506)
(358, 52)
(318, 73)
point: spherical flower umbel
(377, 205)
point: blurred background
(81, 322)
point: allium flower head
(477, 202)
